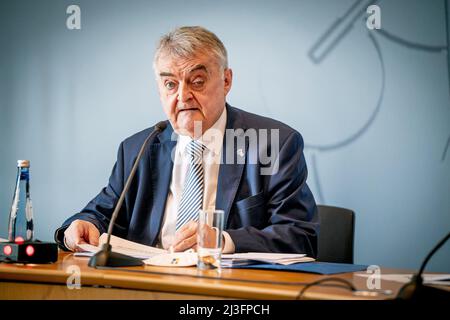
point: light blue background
(68, 97)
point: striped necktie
(192, 195)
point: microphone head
(160, 126)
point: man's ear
(228, 80)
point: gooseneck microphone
(415, 290)
(106, 257)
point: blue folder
(311, 267)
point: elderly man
(267, 209)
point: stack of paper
(239, 259)
(122, 246)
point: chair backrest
(336, 234)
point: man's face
(191, 90)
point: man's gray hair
(186, 42)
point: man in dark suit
(251, 167)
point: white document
(3, 240)
(175, 259)
(88, 250)
(123, 246)
(189, 258)
(436, 279)
(229, 260)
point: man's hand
(186, 237)
(79, 232)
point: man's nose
(184, 93)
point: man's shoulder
(138, 138)
(258, 122)
(135, 141)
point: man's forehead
(179, 66)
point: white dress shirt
(213, 140)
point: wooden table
(19, 281)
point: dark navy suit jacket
(263, 213)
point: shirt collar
(212, 138)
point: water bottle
(21, 216)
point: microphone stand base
(108, 258)
(419, 292)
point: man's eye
(170, 85)
(198, 83)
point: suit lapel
(162, 164)
(230, 173)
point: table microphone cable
(347, 285)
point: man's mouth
(187, 109)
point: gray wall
(375, 141)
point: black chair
(336, 235)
